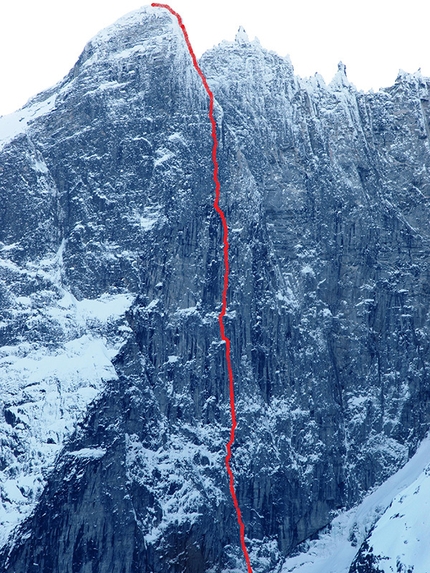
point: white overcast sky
(40, 40)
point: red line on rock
(225, 287)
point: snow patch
(308, 270)
(163, 156)
(14, 124)
(146, 223)
(93, 453)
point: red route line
(225, 287)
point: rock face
(109, 238)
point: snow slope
(14, 124)
(47, 384)
(403, 532)
(396, 514)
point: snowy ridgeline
(47, 382)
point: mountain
(114, 387)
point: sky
(40, 40)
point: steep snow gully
(223, 311)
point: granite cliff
(114, 391)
